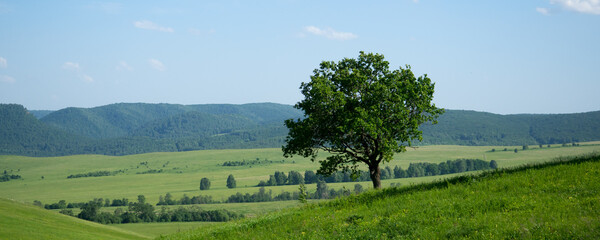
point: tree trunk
(375, 173)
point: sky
(505, 57)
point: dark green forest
(132, 128)
(473, 128)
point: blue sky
(507, 57)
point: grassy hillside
(182, 171)
(548, 201)
(23, 221)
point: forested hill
(124, 119)
(22, 133)
(130, 128)
(480, 128)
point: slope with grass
(556, 200)
(45, 178)
(22, 221)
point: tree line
(414, 170)
(257, 161)
(62, 204)
(322, 192)
(141, 211)
(185, 200)
(5, 177)
(540, 146)
(95, 174)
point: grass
(183, 171)
(197, 164)
(161, 229)
(248, 209)
(558, 200)
(23, 221)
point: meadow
(25, 221)
(45, 178)
(553, 200)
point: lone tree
(361, 112)
(204, 184)
(231, 181)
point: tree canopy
(231, 181)
(360, 111)
(204, 184)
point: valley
(179, 174)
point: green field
(182, 171)
(547, 201)
(163, 229)
(25, 221)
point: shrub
(204, 184)
(231, 181)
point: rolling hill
(553, 200)
(22, 221)
(480, 128)
(131, 128)
(23, 134)
(126, 119)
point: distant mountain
(21, 133)
(131, 128)
(40, 113)
(480, 128)
(110, 121)
(258, 112)
(126, 119)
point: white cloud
(71, 66)
(543, 11)
(86, 78)
(3, 62)
(330, 33)
(123, 66)
(582, 6)
(157, 64)
(7, 79)
(145, 24)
